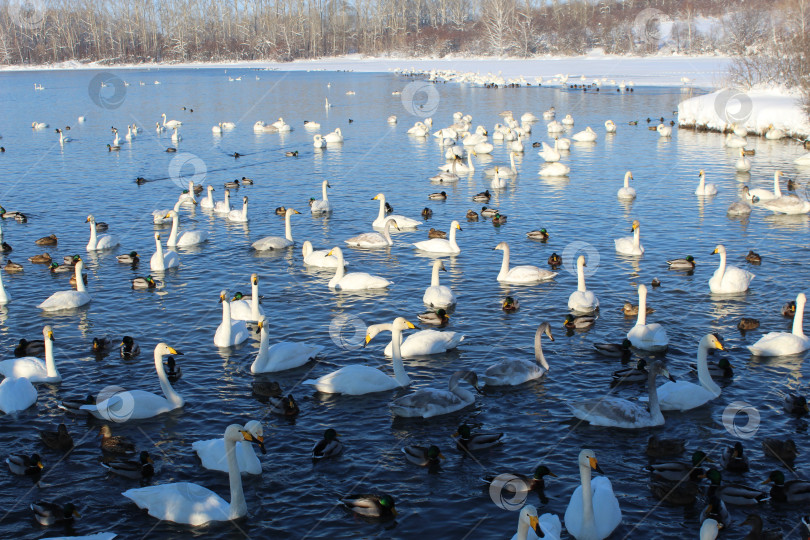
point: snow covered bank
(754, 110)
(702, 71)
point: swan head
(546, 329)
(326, 183)
(581, 261)
(719, 249)
(91, 219)
(503, 246)
(466, 375)
(47, 333)
(701, 173)
(778, 174)
(290, 212)
(172, 214)
(402, 324)
(636, 225)
(378, 197)
(528, 514)
(712, 341)
(223, 296)
(628, 175)
(254, 279)
(659, 369)
(157, 236)
(439, 264)
(456, 225)
(256, 431)
(587, 458)
(336, 251)
(164, 350)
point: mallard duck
(129, 348)
(293, 153)
(48, 513)
(57, 268)
(281, 211)
(143, 469)
(746, 324)
(796, 404)
(498, 219)
(329, 446)
(12, 267)
(73, 405)
(655, 282)
(171, 149)
(488, 212)
(539, 234)
(751, 152)
(657, 447)
(371, 506)
(789, 309)
(535, 483)
(580, 321)
(47, 240)
(58, 440)
(173, 373)
(101, 346)
(147, 282)
(721, 368)
(631, 310)
(113, 148)
(676, 471)
(246, 181)
(231, 184)
(554, 260)
(472, 215)
(424, 456)
(734, 459)
(736, 494)
(753, 258)
(484, 196)
(19, 217)
(440, 196)
(757, 533)
(433, 233)
(266, 388)
(783, 450)
(6, 214)
(24, 465)
(510, 304)
(637, 374)
(71, 260)
(436, 318)
(427, 213)
(128, 258)
(465, 440)
(30, 348)
(115, 444)
(284, 406)
(615, 350)
(5, 248)
(792, 491)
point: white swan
(647, 337)
(159, 217)
(610, 126)
(320, 258)
(69, 299)
(357, 380)
(244, 310)
(426, 343)
(16, 394)
(430, 402)
(99, 243)
(32, 368)
(549, 154)
(188, 238)
(281, 356)
(217, 129)
(192, 504)
(323, 206)
(630, 245)
(5, 297)
(782, 343)
(277, 242)
(238, 215)
(626, 193)
(554, 169)
(528, 522)
(213, 456)
(441, 245)
(501, 171)
(354, 281)
(224, 206)
(187, 197)
(171, 124)
(63, 139)
(437, 295)
(742, 164)
(161, 261)
(419, 129)
(729, 279)
(520, 274)
(402, 221)
(457, 166)
(588, 135)
(479, 136)
(517, 369)
(334, 137)
(176, 137)
(683, 395)
(623, 413)
(766, 195)
(373, 239)
(139, 404)
(704, 188)
(664, 131)
(593, 512)
(318, 141)
(561, 143)
(735, 141)
(568, 120)
(787, 204)
(229, 332)
(582, 300)
(775, 134)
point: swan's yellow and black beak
(296, 212)
(258, 439)
(534, 522)
(174, 351)
(458, 226)
(409, 324)
(255, 280)
(595, 465)
(222, 298)
(713, 252)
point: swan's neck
(453, 243)
(539, 357)
(264, 347)
(381, 215)
(226, 321)
(504, 263)
(244, 210)
(627, 180)
(523, 530)
(721, 270)
(652, 392)
(470, 163)
(776, 189)
(238, 504)
(79, 279)
(637, 237)
(168, 392)
(50, 364)
(340, 271)
(227, 199)
(211, 197)
(434, 280)
(93, 236)
(159, 252)
(581, 278)
(797, 318)
(325, 198)
(512, 162)
(702, 184)
(173, 235)
(704, 376)
(642, 308)
(3, 295)
(288, 227)
(463, 394)
(587, 497)
(254, 300)
(387, 232)
(396, 357)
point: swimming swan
(593, 512)
(683, 395)
(704, 188)
(582, 300)
(188, 238)
(437, 295)
(441, 245)
(69, 299)
(161, 261)
(213, 456)
(229, 332)
(631, 245)
(32, 368)
(402, 221)
(99, 243)
(729, 279)
(374, 239)
(520, 274)
(319, 258)
(323, 206)
(626, 193)
(248, 310)
(517, 369)
(785, 343)
(647, 337)
(354, 281)
(277, 242)
(430, 402)
(282, 355)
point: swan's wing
(27, 367)
(129, 405)
(370, 238)
(775, 344)
(606, 508)
(434, 244)
(529, 273)
(354, 380)
(181, 502)
(426, 342)
(288, 355)
(16, 395)
(63, 300)
(611, 411)
(427, 402)
(682, 396)
(512, 371)
(362, 280)
(270, 242)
